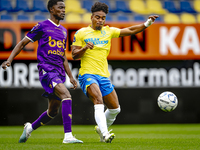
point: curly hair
(98, 6)
(51, 3)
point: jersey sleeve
(115, 32)
(66, 39)
(35, 33)
(77, 39)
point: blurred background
(78, 11)
(165, 57)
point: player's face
(58, 10)
(98, 20)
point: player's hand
(6, 64)
(150, 20)
(73, 81)
(153, 17)
(89, 45)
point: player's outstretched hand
(150, 20)
(5, 64)
(73, 81)
(153, 17)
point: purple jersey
(51, 45)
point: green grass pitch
(128, 137)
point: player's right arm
(15, 52)
(78, 48)
(78, 51)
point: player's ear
(92, 16)
(51, 9)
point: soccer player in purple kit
(52, 65)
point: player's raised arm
(138, 28)
(15, 52)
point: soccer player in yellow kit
(92, 45)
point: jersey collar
(54, 23)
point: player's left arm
(138, 28)
(69, 73)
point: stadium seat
(22, 5)
(138, 6)
(171, 7)
(74, 6)
(187, 18)
(171, 18)
(155, 6)
(186, 6)
(87, 17)
(39, 5)
(73, 18)
(6, 17)
(139, 18)
(122, 18)
(23, 17)
(6, 5)
(122, 6)
(198, 18)
(40, 17)
(111, 8)
(87, 4)
(197, 5)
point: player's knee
(65, 94)
(53, 113)
(98, 101)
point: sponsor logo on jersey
(59, 44)
(96, 41)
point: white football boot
(72, 140)
(109, 137)
(99, 132)
(25, 135)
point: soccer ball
(167, 101)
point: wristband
(148, 23)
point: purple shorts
(49, 80)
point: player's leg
(53, 108)
(62, 92)
(44, 118)
(111, 101)
(90, 85)
(95, 96)
(113, 107)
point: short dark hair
(98, 6)
(51, 3)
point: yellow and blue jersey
(94, 61)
